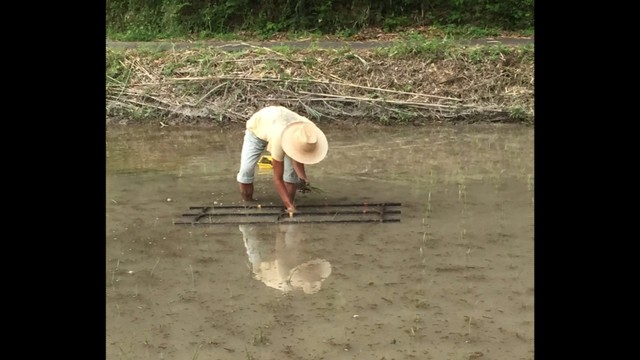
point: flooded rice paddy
(454, 279)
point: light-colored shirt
(268, 123)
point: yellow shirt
(268, 123)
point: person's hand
(304, 186)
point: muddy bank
(406, 83)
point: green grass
(207, 35)
(346, 34)
(493, 52)
(141, 33)
(283, 49)
(467, 32)
(517, 113)
(299, 35)
(116, 69)
(417, 44)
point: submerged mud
(453, 279)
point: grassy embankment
(418, 78)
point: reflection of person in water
(283, 269)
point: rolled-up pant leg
(252, 149)
(289, 175)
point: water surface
(452, 280)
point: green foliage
(303, 34)
(406, 116)
(467, 31)
(505, 14)
(492, 53)
(271, 65)
(116, 69)
(283, 49)
(310, 61)
(147, 19)
(139, 34)
(394, 23)
(518, 113)
(168, 69)
(487, 53)
(417, 44)
(346, 33)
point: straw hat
(304, 142)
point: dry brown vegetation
(395, 85)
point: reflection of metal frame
(322, 213)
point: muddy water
(452, 280)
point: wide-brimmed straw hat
(304, 142)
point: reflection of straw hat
(310, 275)
(304, 142)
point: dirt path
(240, 45)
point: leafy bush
(181, 17)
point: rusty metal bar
(293, 222)
(345, 212)
(206, 208)
(380, 210)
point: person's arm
(283, 189)
(299, 169)
(303, 185)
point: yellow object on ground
(265, 162)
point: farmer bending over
(293, 141)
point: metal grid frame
(307, 213)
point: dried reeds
(337, 84)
